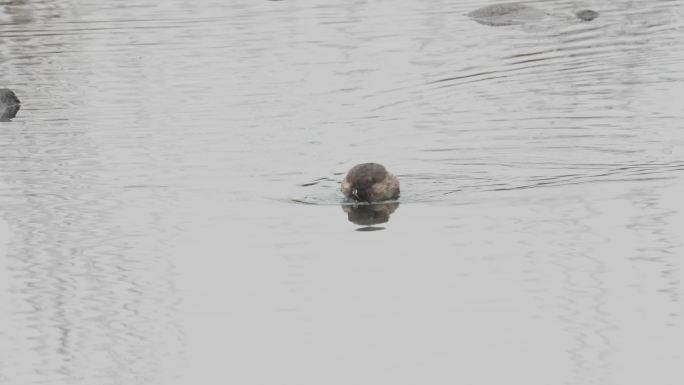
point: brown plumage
(370, 182)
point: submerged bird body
(519, 13)
(506, 14)
(370, 182)
(586, 14)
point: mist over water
(170, 209)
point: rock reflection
(370, 214)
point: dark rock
(9, 104)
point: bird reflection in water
(370, 215)
(369, 186)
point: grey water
(170, 208)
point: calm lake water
(170, 207)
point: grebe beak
(355, 193)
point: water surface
(170, 206)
